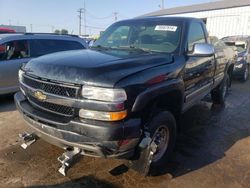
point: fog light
(103, 116)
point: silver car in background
(17, 49)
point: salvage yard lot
(213, 150)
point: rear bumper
(94, 138)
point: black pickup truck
(123, 97)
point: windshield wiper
(101, 47)
(132, 48)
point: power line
(98, 18)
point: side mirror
(202, 50)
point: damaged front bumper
(93, 138)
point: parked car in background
(225, 52)
(242, 45)
(6, 30)
(16, 49)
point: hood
(97, 68)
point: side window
(195, 35)
(41, 47)
(14, 50)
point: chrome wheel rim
(161, 139)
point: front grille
(55, 108)
(52, 88)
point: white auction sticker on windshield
(166, 28)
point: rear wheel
(219, 93)
(246, 73)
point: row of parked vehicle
(123, 97)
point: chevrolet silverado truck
(123, 97)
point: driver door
(199, 71)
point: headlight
(104, 94)
(103, 116)
(20, 75)
(239, 66)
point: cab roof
(157, 18)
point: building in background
(223, 18)
(21, 29)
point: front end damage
(51, 110)
(103, 142)
(96, 141)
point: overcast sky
(48, 15)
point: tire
(218, 94)
(162, 122)
(230, 75)
(246, 73)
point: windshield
(150, 36)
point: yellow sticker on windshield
(166, 28)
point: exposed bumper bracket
(67, 159)
(147, 149)
(28, 139)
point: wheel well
(171, 101)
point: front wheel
(219, 93)
(162, 131)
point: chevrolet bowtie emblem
(40, 95)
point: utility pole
(82, 11)
(162, 4)
(80, 21)
(116, 16)
(85, 25)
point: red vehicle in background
(6, 30)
